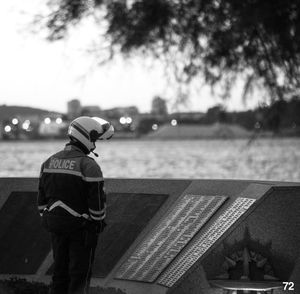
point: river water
(264, 159)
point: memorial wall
(170, 236)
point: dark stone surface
(272, 230)
(23, 242)
(195, 283)
(127, 215)
(217, 187)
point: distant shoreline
(145, 138)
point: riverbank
(217, 131)
(191, 132)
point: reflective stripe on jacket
(73, 181)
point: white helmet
(87, 130)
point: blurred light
(123, 120)
(47, 120)
(128, 120)
(174, 122)
(154, 127)
(7, 129)
(59, 120)
(15, 121)
(26, 124)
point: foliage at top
(217, 40)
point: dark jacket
(72, 182)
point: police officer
(72, 204)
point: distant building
(117, 112)
(91, 110)
(74, 109)
(194, 116)
(159, 106)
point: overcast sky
(36, 73)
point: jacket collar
(72, 147)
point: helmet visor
(106, 132)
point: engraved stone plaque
(203, 241)
(183, 220)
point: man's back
(72, 204)
(73, 178)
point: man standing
(72, 204)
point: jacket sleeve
(95, 190)
(41, 198)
